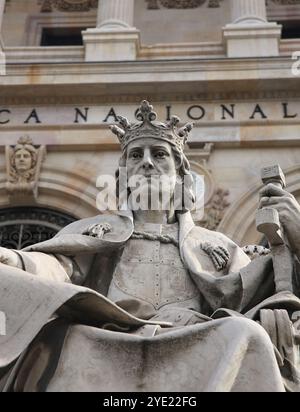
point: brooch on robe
(98, 230)
(218, 254)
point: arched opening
(24, 226)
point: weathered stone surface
(143, 279)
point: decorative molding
(200, 157)
(218, 97)
(216, 209)
(283, 11)
(60, 188)
(284, 2)
(181, 4)
(23, 167)
(216, 199)
(47, 6)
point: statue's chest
(154, 272)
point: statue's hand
(10, 258)
(289, 212)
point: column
(2, 55)
(114, 38)
(250, 34)
(2, 7)
(115, 14)
(248, 11)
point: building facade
(69, 67)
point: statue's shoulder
(117, 224)
(74, 238)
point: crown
(169, 132)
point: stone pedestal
(110, 45)
(250, 34)
(114, 38)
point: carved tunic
(153, 272)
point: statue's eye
(160, 155)
(136, 155)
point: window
(57, 29)
(24, 226)
(291, 30)
(61, 36)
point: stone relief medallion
(23, 166)
(68, 5)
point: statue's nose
(147, 162)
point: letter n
(79, 115)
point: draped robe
(64, 334)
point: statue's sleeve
(256, 281)
(239, 285)
(52, 267)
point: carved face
(151, 159)
(23, 160)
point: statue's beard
(152, 194)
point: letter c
(4, 111)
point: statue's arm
(53, 267)
(289, 213)
(11, 258)
(257, 278)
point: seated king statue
(143, 300)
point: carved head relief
(23, 163)
(23, 160)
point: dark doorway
(291, 29)
(62, 36)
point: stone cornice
(193, 69)
(218, 79)
(76, 100)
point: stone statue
(143, 300)
(23, 163)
